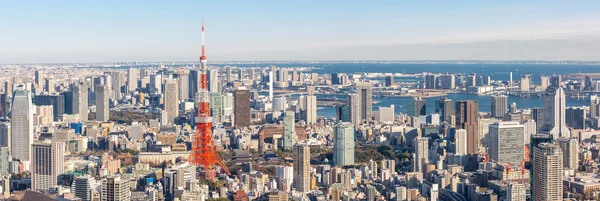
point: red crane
(204, 152)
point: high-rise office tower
(82, 187)
(524, 84)
(155, 85)
(544, 82)
(460, 142)
(21, 125)
(447, 81)
(132, 79)
(228, 78)
(102, 106)
(365, 92)
(241, 107)
(56, 101)
(389, 80)
(183, 82)
(445, 107)
(575, 117)
(39, 80)
(371, 193)
(421, 145)
(46, 164)
(516, 192)
(344, 80)
(80, 100)
(431, 81)
(289, 130)
(343, 144)
(342, 113)
(4, 105)
(537, 114)
(594, 106)
(386, 114)
(499, 106)
(513, 108)
(216, 106)
(5, 134)
(467, 118)
(171, 102)
(547, 169)
(556, 81)
(213, 81)
(506, 142)
(280, 103)
(115, 189)
(5, 159)
(554, 113)
(49, 87)
(117, 83)
(510, 79)
(570, 150)
(310, 111)
(417, 107)
(195, 83)
(302, 167)
(354, 104)
(335, 80)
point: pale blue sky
(93, 31)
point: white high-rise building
(570, 150)
(386, 114)
(102, 106)
(310, 113)
(354, 104)
(171, 102)
(460, 142)
(285, 174)
(213, 81)
(516, 192)
(183, 84)
(421, 145)
(21, 125)
(302, 168)
(499, 106)
(46, 164)
(547, 172)
(506, 142)
(343, 144)
(554, 113)
(279, 103)
(132, 79)
(115, 189)
(80, 100)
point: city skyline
(141, 31)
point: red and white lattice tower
(204, 152)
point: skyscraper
(554, 113)
(80, 100)
(171, 101)
(570, 150)
(302, 167)
(5, 134)
(594, 106)
(365, 91)
(354, 104)
(389, 80)
(537, 114)
(417, 107)
(213, 81)
(516, 192)
(499, 106)
(102, 106)
(156, 84)
(506, 142)
(115, 189)
(132, 79)
(21, 125)
(56, 101)
(460, 142)
(228, 78)
(445, 107)
(556, 81)
(241, 107)
(343, 144)
(117, 83)
(335, 80)
(39, 80)
(431, 81)
(194, 83)
(575, 117)
(421, 145)
(289, 130)
(467, 118)
(183, 82)
(342, 113)
(547, 169)
(46, 164)
(310, 112)
(82, 187)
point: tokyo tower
(203, 148)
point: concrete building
(289, 130)
(83, 187)
(516, 192)
(506, 142)
(80, 101)
(115, 189)
(547, 169)
(499, 105)
(431, 81)
(445, 107)
(467, 118)
(183, 84)
(365, 92)
(102, 105)
(170, 101)
(421, 146)
(460, 142)
(417, 107)
(554, 113)
(310, 112)
(302, 168)
(132, 79)
(46, 164)
(21, 125)
(570, 150)
(5, 134)
(575, 117)
(355, 111)
(386, 114)
(343, 144)
(241, 107)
